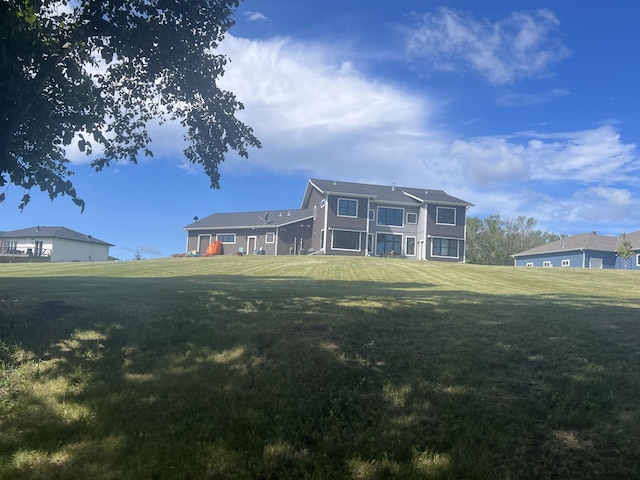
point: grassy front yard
(296, 367)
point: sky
(521, 108)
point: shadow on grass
(284, 377)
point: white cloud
(520, 46)
(255, 17)
(515, 99)
(318, 115)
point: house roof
(52, 232)
(583, 241)
(261, 219)
(384, 193)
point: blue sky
(521, 108)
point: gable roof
(383, 193)
(261, 219)
(584, 241)
(634, 238)
(52, 232)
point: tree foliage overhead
(96, 72)
(493, 240)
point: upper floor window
(347, 207)
(412, 218)
(390, 216)
(270, 237)
(371, 215)
(445, 215)
(226, 237)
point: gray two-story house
(345, 218)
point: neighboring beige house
(54, 244)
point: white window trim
(226, 243)
(444, 256)
(323, 202)
(407, 219)
(566, 262)
(638, 260)
(389, 208)
(347, 200)
(529, 264)
(415, 246)
(346, 249)
(273, 237)
(547, 263)
(455, 214)
(372, 215)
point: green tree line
(492, 241)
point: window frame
(529, 264)
(455, 214)
(226, 235)
(341, 199)
(414, 215)
(406, 246)
(393, 243)
(547, 264)
(273, 237)
(383, 217)
(341, 230)
(440, 240)
(372, 215)
(566, 262)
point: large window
(347, 207)
(226, 237)
(410, 246)
(390, 216)
(446, 216)
(345, 240)
(444, 247)
(387, 243)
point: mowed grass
(311, 367)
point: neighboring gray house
(343, 218)
(55, 244)
(586, 250)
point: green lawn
(311, 367)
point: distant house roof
(261, 219)
(383, 193)
(583, 241)
(52, 232)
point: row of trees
(493, 240)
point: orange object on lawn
(215, 248)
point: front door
(251, 245)
(203, 243)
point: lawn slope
(312, 367)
